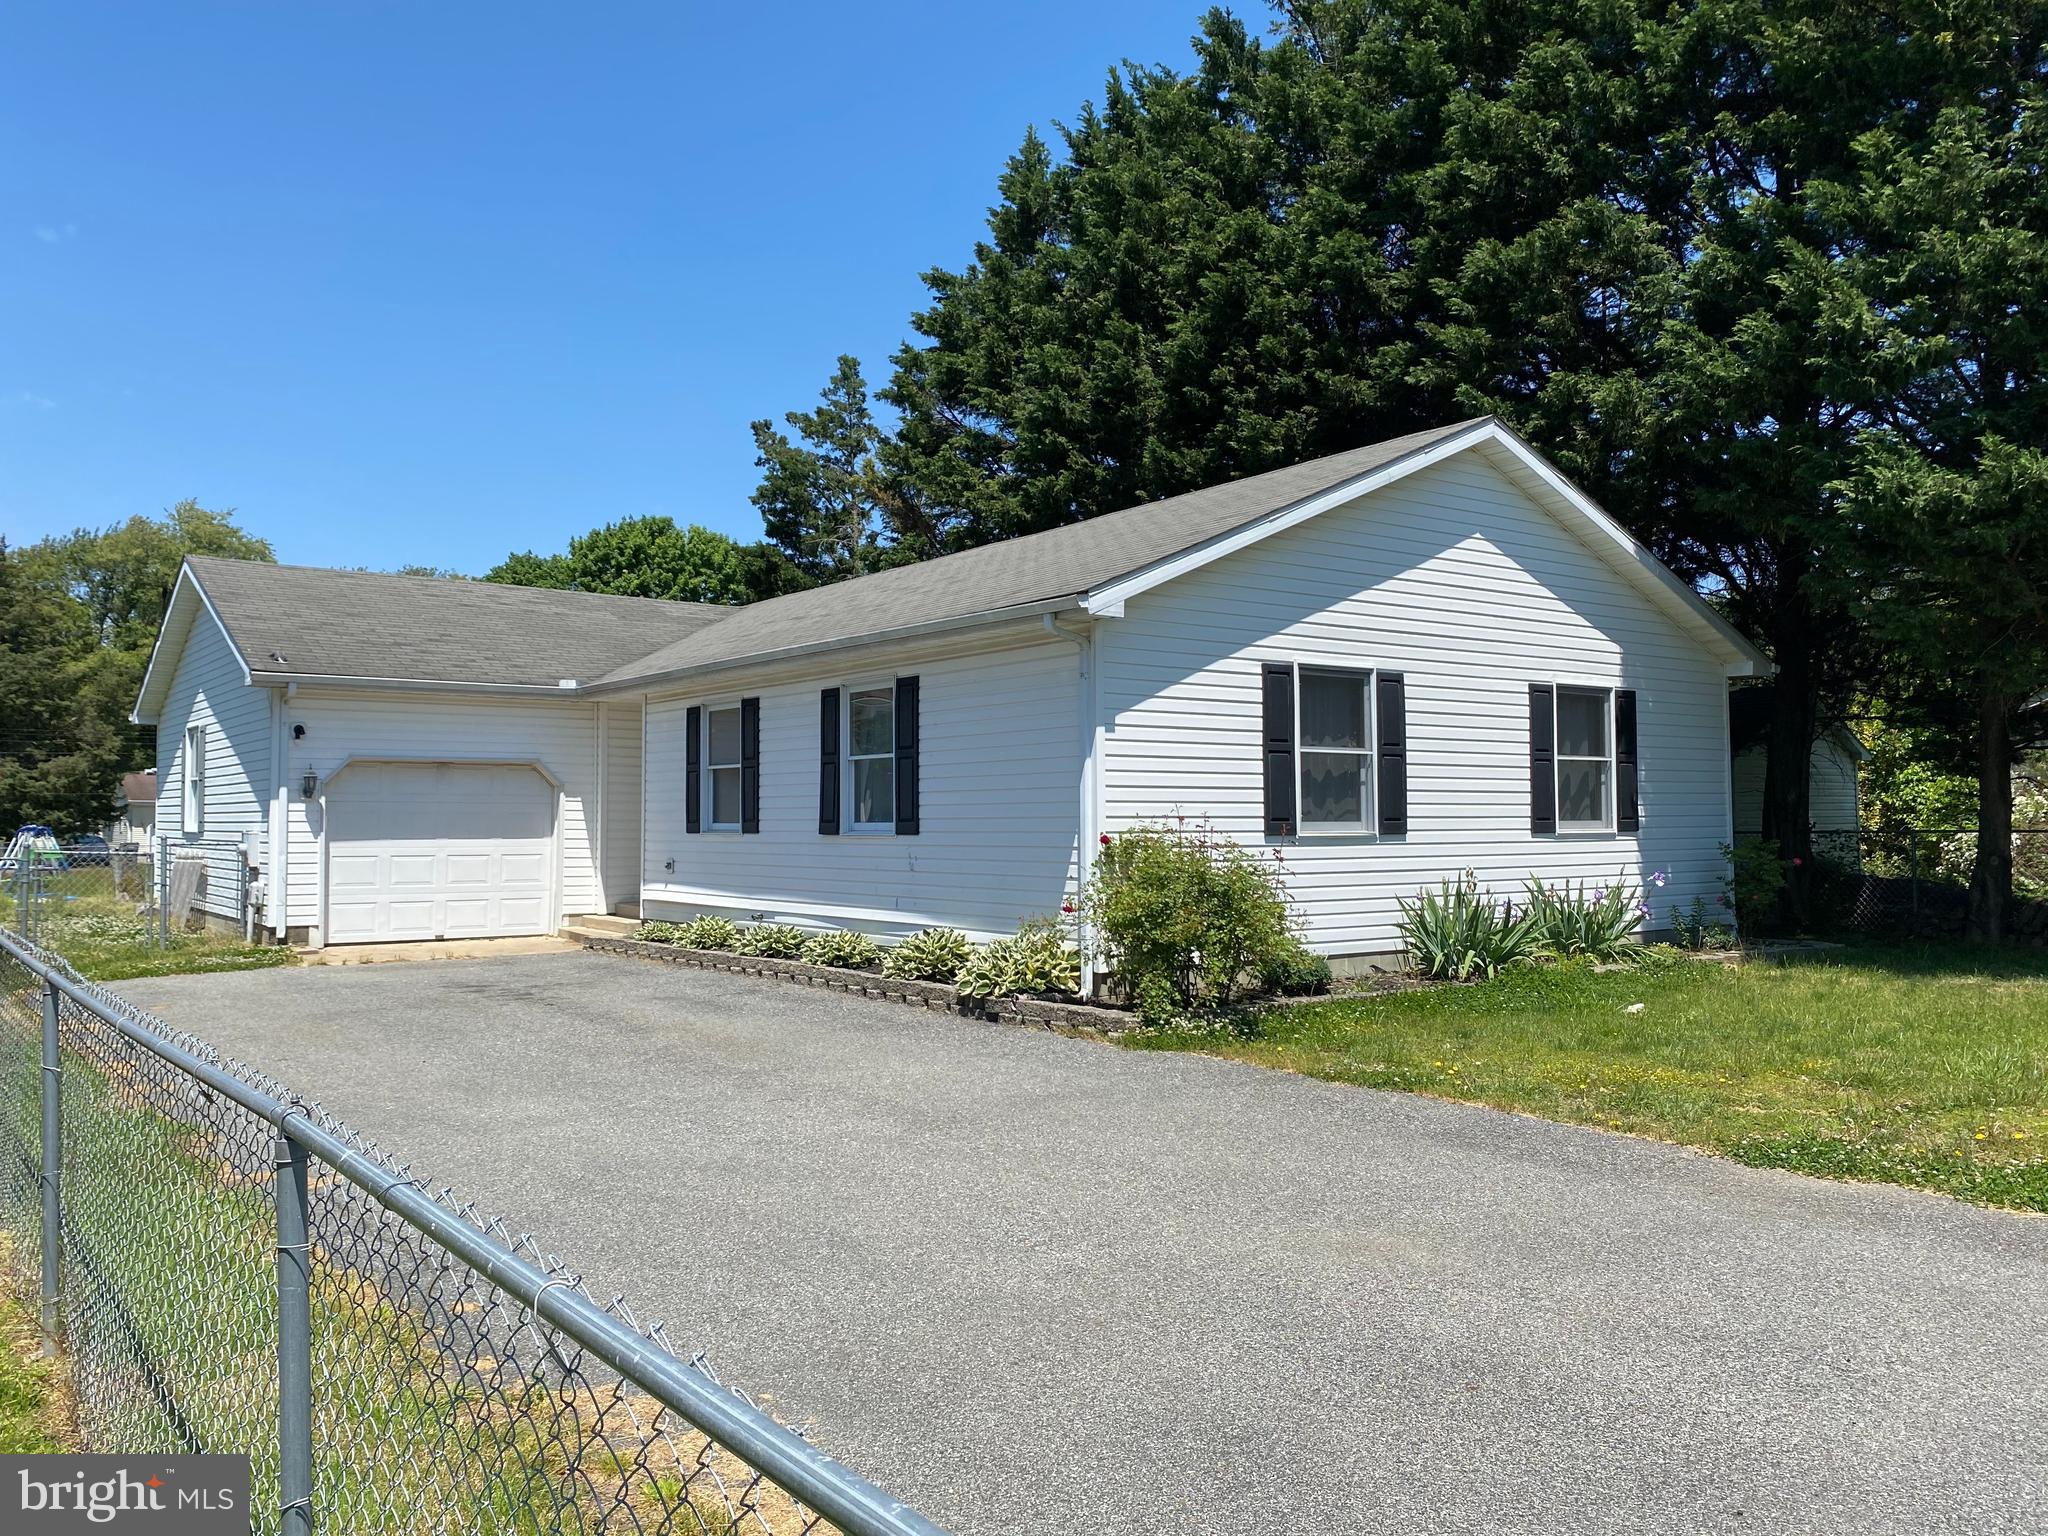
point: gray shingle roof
(1035, 569)
(359, 624)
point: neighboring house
(1387, 666)
(1834, 811)
(135, 810)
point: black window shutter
(693, 774)
(750, 765)
(1628, 814)
(828, 754)
(906, 757)
(1393, 769)
(1279, 748)
(1542, 758)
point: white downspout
(1084, 855)
(280, 812)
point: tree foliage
(646, 557)
(79, 615)
(823, 497)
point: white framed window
(723, 776)
(871, 757)
(1333, 739)
(195, 781)
(1585, 759)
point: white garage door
(438, 851)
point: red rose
(1105, 839)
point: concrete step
(595, 925)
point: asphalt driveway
(1042, 1285)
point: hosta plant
(773, 941)
(1460, 933)
(935, 954)
(709, 933)
(850, 951)
(1039, 959)
(661, 933)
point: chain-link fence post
(53, 1160)
(294, 1341)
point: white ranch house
(1388, 666)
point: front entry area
(439, 851)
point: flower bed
(1050, 1013)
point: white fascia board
(187, 579)
(1743, 659)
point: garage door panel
(439, 850)
(521, 868)
(410, 870)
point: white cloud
(55, 234)
(32, 400)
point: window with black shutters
(722, 770)
(1333, 748)
(1585, 759)
(871, 758)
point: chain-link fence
(1907, 881)
(232, 1269)
(82, 897)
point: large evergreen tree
(1945, 226)
(1617, 226)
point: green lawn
(1923, 1066)
(31, 1418)
(98, 930)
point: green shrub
(1459, 932)
(936, 954)
(1756, 878)
(660, 933)
(1185, 919)
(773, 941)
(1039, 959)
(849, 951)
(709, 933)
(1570, 920)
(1296, 971)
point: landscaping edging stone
(1068, 1018)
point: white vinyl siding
(998, 805)
(208, 698)
(1459, 581)
(1832, 803)
(621, 726)
(428, 727)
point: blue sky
(428, 283)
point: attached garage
(439, 851)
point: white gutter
(415, 684)
(982, 619)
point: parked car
(89, 852)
